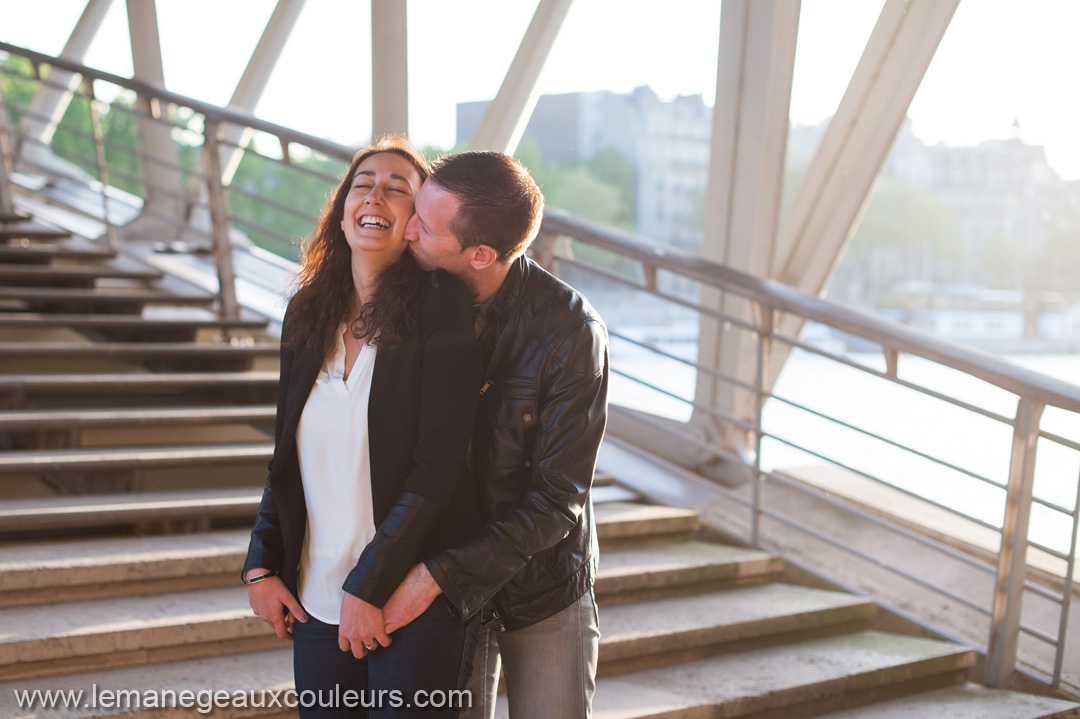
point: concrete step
(95, 568)
(113, 510)
(267, 671)
(140, 350)
(131, 323)
(42, 253)
(46, 640)
(30, 298)
(63, 274)
(650, 572)
(133, 458)
(69, 419)
(967, 701)
(31, 230)
(621, 523)
(155, 356)
(87, 568)
(220, 385)
(785, 681)
(678, 629)
(609, 493)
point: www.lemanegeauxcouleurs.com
(205, 701)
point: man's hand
(273, 603)
(411, 599)
(361, 627)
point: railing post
(219, 219)
(1066, 600)
(544, 252)
(766, 320)
(103, 173)
(1012, 559)
(7, 201)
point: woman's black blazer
(421, 414)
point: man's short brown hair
(501, 206)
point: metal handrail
(769, 298)
(157, 92)
(983, 365)
(213, 199)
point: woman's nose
(376, 195)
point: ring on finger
(371, 647)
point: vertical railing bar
(544, 252)
(766, 319)
(219, 222)
(651, 278)
(1012, 557)
(1066, 597)
(7, 198)
(99, 151)
(892, 363)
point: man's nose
(411, 229)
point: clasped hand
(363, 627)
(272, 602)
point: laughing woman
(378, 391)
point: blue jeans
(550, 666)
(432, 656)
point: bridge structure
(910, 550)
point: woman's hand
(273, 603)
(361, 627)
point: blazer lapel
(305, 372)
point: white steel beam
(49, 103)
(255, 78)
(163, 214)
(827, 207)
(389, 68)
(505, 119)
(746, 177)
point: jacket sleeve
(266, 548)
(449, 392)
(572, 418)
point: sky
(1000, 60)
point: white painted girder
(158, 154)
(504, 121)
(827, 207)
(256, 76)
(746, 177)
(52, 102)
(389, 68)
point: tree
(615, 169)
(292, 187)
(905, 233)
(17, 85)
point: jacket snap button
(526, 418)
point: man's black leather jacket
(542, 415)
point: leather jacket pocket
(510, 411)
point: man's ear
(482, 256)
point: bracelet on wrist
(261, 577)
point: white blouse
(332, 445)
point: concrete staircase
(114, 441)
(690, 629)
(126, 404)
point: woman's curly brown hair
(325, 282)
